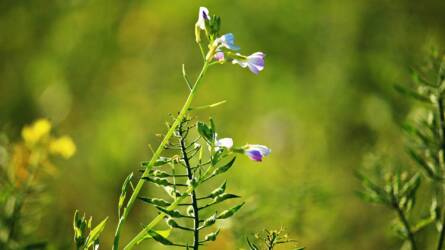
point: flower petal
(203, 15)
(219, 56)
(254, 69)
(254, 155)
(227, 41)
(265, 151)
(224, 143)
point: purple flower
(226, 41)
(219, 56)
(256, 152)
(203, 16)
(254, 62)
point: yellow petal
(63, 146)
(35, 132)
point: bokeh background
(109, 72)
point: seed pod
(209, 221)
(211, 236)
(228, 213)
(220, 190)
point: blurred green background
(109, 72)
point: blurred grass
(108, 73)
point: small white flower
(224, 143)
(203, 16)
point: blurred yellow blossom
(33, 133)
(63, 146)
(20, 163)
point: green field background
(109, 72)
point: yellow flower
(20, 163)
(33, 133)
(63, 146)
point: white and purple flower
(254, 62)
(219, 56)
(256, 152)
(203, 16)
(226, 41)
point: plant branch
(156, 155)
(406, 225)
(193, 193)
(440, 110)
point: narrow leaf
(95, 233)
(230, 212)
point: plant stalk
(405, 223)
(156, 155)
(193, 193)
(440, 110)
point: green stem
(405, 223)
(155, 221)
(442, 126)
(193, 193)
(440, 110)
(20, 200)
(156, 155)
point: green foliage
(187, 170)
(397, 187)
(269, 239)
(86, 237)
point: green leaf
(205, 131)
(252, 246)
(172, 213)
(212, 125)
(422, 163)
(162, 161)
(158, 181)
(413, 94)
(230, 212)
(171, 222)
(79, 226)
(219, 199)
(209, 221)
(217, 156)
(159, 173)
(159, 162)
(163, 233)
(225, 167)
(159, 238)
(373, 193)
(224, 197)
(95, 233)
(218, 191)
(155, 201)
(124, 190)
(411, 186)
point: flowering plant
(23, 167)
(189, 155)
